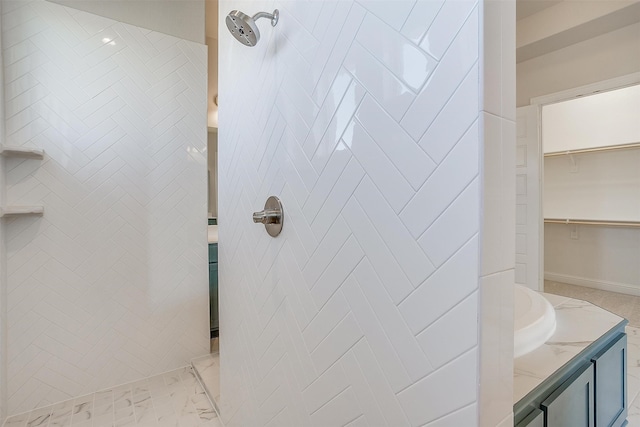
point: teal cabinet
(213, 289)
(213, 253)
(534, 419)
(588, 391)
(572, 404)
(611, 384)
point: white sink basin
(212, 231)
(534, 320)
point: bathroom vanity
(213, 277)
(578, 377)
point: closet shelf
(594, 149)
(592, 222)
(26, 153)
(21, 210)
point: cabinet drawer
(611, 383)
(534, 419)
(572, 404)
(213, 252)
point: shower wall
(364, 118)
(180, 18)
(110, 284)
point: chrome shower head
(243, 27)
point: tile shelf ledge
(9, 211)
(26, 153)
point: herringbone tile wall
(110, 285)
(363, 116)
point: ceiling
(526, 8)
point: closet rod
(595, 149)
(592, 222)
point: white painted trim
(541, 204)
(603, 86)
(621, 288)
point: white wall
(110, 284)
(601, 257)
(179, 18)
(604, 57)
(365, 309)
(603, 119)
(604, 186)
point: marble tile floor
(173, 399)
(627, 306)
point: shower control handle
(272, 216)
(267, 217)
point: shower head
(243, 27)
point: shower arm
(271, 16)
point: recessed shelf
(21, 210)
(25, 153)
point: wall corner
(497, 232)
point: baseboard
(621, 288)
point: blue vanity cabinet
(213, 288)
(572, 404)
(588, 391)
(610, 383)
(534, 419)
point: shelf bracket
(574, 162)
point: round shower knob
(272, 216)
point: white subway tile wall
(497, 266)
(110, 285)
(363, 117)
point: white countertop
(213, 233)
(579, 324)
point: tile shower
(120, 112)
(384, 355)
